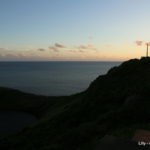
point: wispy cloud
(108, 45)
(53, 48)
(77, 51)
(11, 55)
(3, 49)
(60, 45)
(139, 42)
(22, 55)
(1, 55)
(88, 47)
(56, 47)
(81, 51)
(73, 51)
(41, 49)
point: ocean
(51, 78)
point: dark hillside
(115, 102)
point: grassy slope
(113, 104)
(12, 99)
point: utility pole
(147, 50)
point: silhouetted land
(115, 104)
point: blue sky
(73, 29)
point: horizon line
(62, 60)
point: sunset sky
(84, 30)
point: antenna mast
(147, 50)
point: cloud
(11, 55)
(138, 42)
(76, 51)
(109, 45)
(53, 48)
(73, 51)
(86, 46)
(147, 43)
(60, 45)
(81, 51)
(22, 55)
(41, 49)
(1, 55)
(3, 49)
(56, 47)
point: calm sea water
(51, 78)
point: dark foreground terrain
(116, 104)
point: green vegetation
(116, 103)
